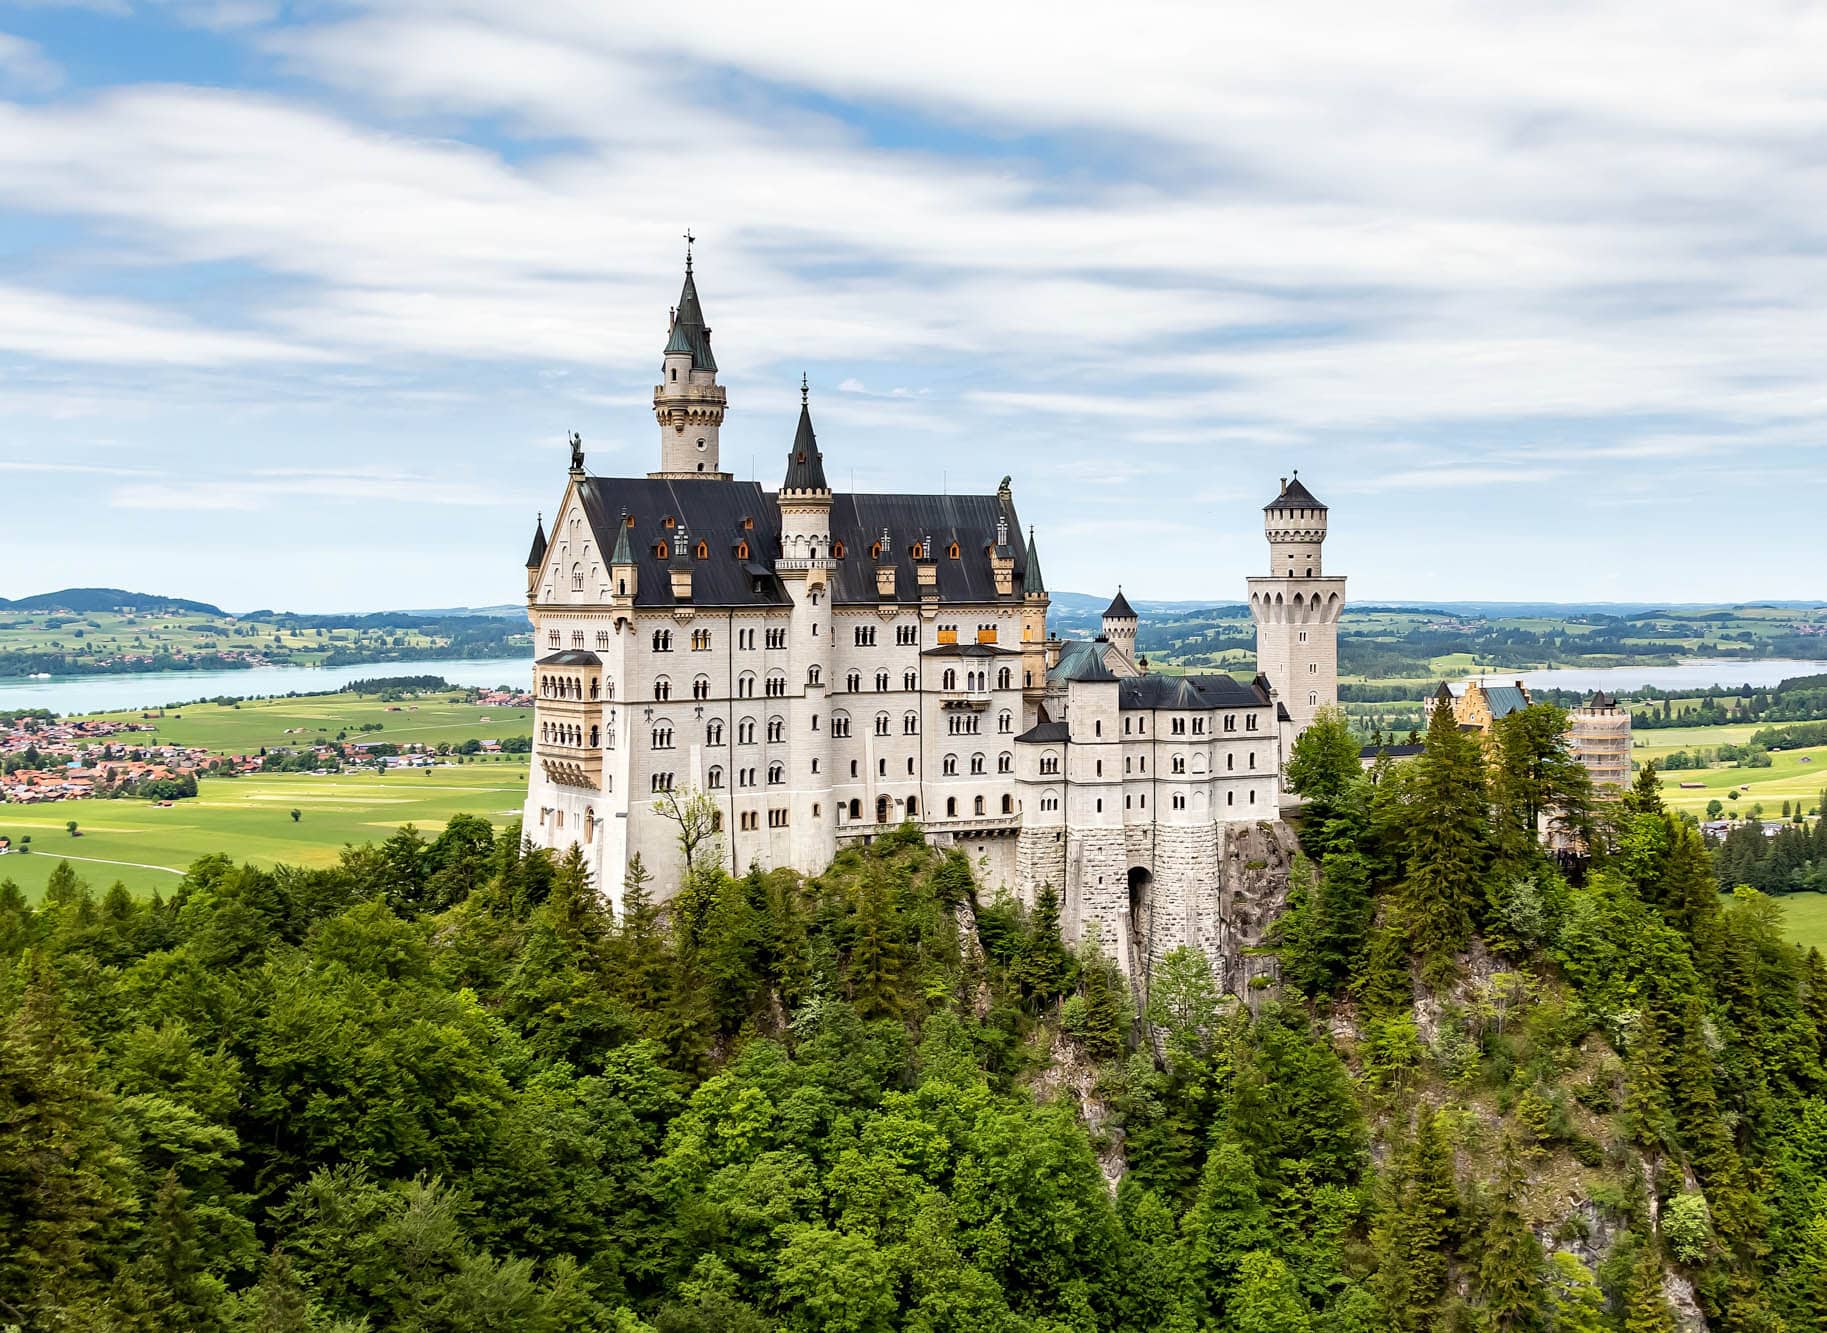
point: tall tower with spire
(688, 402)
(1296, 607)
(805, 498)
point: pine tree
(1448, 840)
(1226, 1222)
(875, 957)
(1267, 1299)
(1645, 794)
(1510, 1259)
(1418, 1227)
(1645, 1307)
(1043, 967)
(1646, 1109)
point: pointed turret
(688, 402)
(1032, 584)
(805, 464)
(622, 569)
(1120, 624)
(689, 334)
(1119, 608)
(537, 556)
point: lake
(1697, 674)
(76, 695)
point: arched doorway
(881, 809)
(1141, 923)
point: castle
(824, 665)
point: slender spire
(689, 333)
(623, 554)
(1032, 582)
(537, 556)
(805, 464)
(1119, 608)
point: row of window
(572, 687)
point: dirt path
(99, 861)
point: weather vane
(689, 238)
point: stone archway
(1141, 924)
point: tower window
(700, 447)
(675, 374)
(837, 550)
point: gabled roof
(1119, 608)
(1044, 732)
(971, 650)
(1600, 699)
(537, 556)
(1294, 496)
(1081, 659)
(805, 464)
(688, 331)
(571, 657)
(969, 521)
(1504, 700)
(711, 510)
(1189, 693)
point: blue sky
(298, 302)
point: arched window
(662, 641)
(977, 806)
(881, 724)
(745, 731)
(742, 550)
(910, 724)
(1004, 678)
(713, 732)
(910, 679)
(577, 578)
(952, 550)
(662, 688)
(913, 806)
(1008, 804)
(814, 674)
(881, 681)
(951, 807)
(854, 681)
(745, 685)
(595, 737)
(950, 679)
(660, 549)
(949, 765)
(589, 823)
(1005, 762)
(700, 687)
(777, 685)
(703, 551)
(840, 724)
(777, 729)
(976, 763)
(856, 809)
(1005, 722)
(837, 550)
(662, 736)
(777, 774)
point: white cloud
(24, 67)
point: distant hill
(87, 601)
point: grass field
(1793, 775)
(108, 633)
(147, 847)
(244, 728)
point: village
(47, 759)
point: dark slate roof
(537, 556)
(857, 522)
(1402, 751)
(621, 555)
(1042, 733)
(710, 510)
(805, 465)
(1600, 699)
(971, 650)
(571, 657)
(1119, 608)
(1033, 583)
(1294, 496)
(1188, 693)
(688, 331)
(1081, 659)
(1504, 700)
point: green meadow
(245, 727)
(1793, 775)
(147, 847)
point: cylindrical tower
(1296, 607)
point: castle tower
(805, 497)
(1120, 625)
(688, 402)
(1296, 607)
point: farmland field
(243, 728)
(147, 846)
(1793, 775)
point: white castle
(825, 666)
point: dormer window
(742, 550)
(952, 550)
(703, 551)
(668, 522)
(837, 550)
(875, 551)
(748, 525)
(659, 549)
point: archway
(881, 809)
(1141, 922)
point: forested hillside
(438, 1087)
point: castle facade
(823, 666)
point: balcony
(570, 765)
(964, 698)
